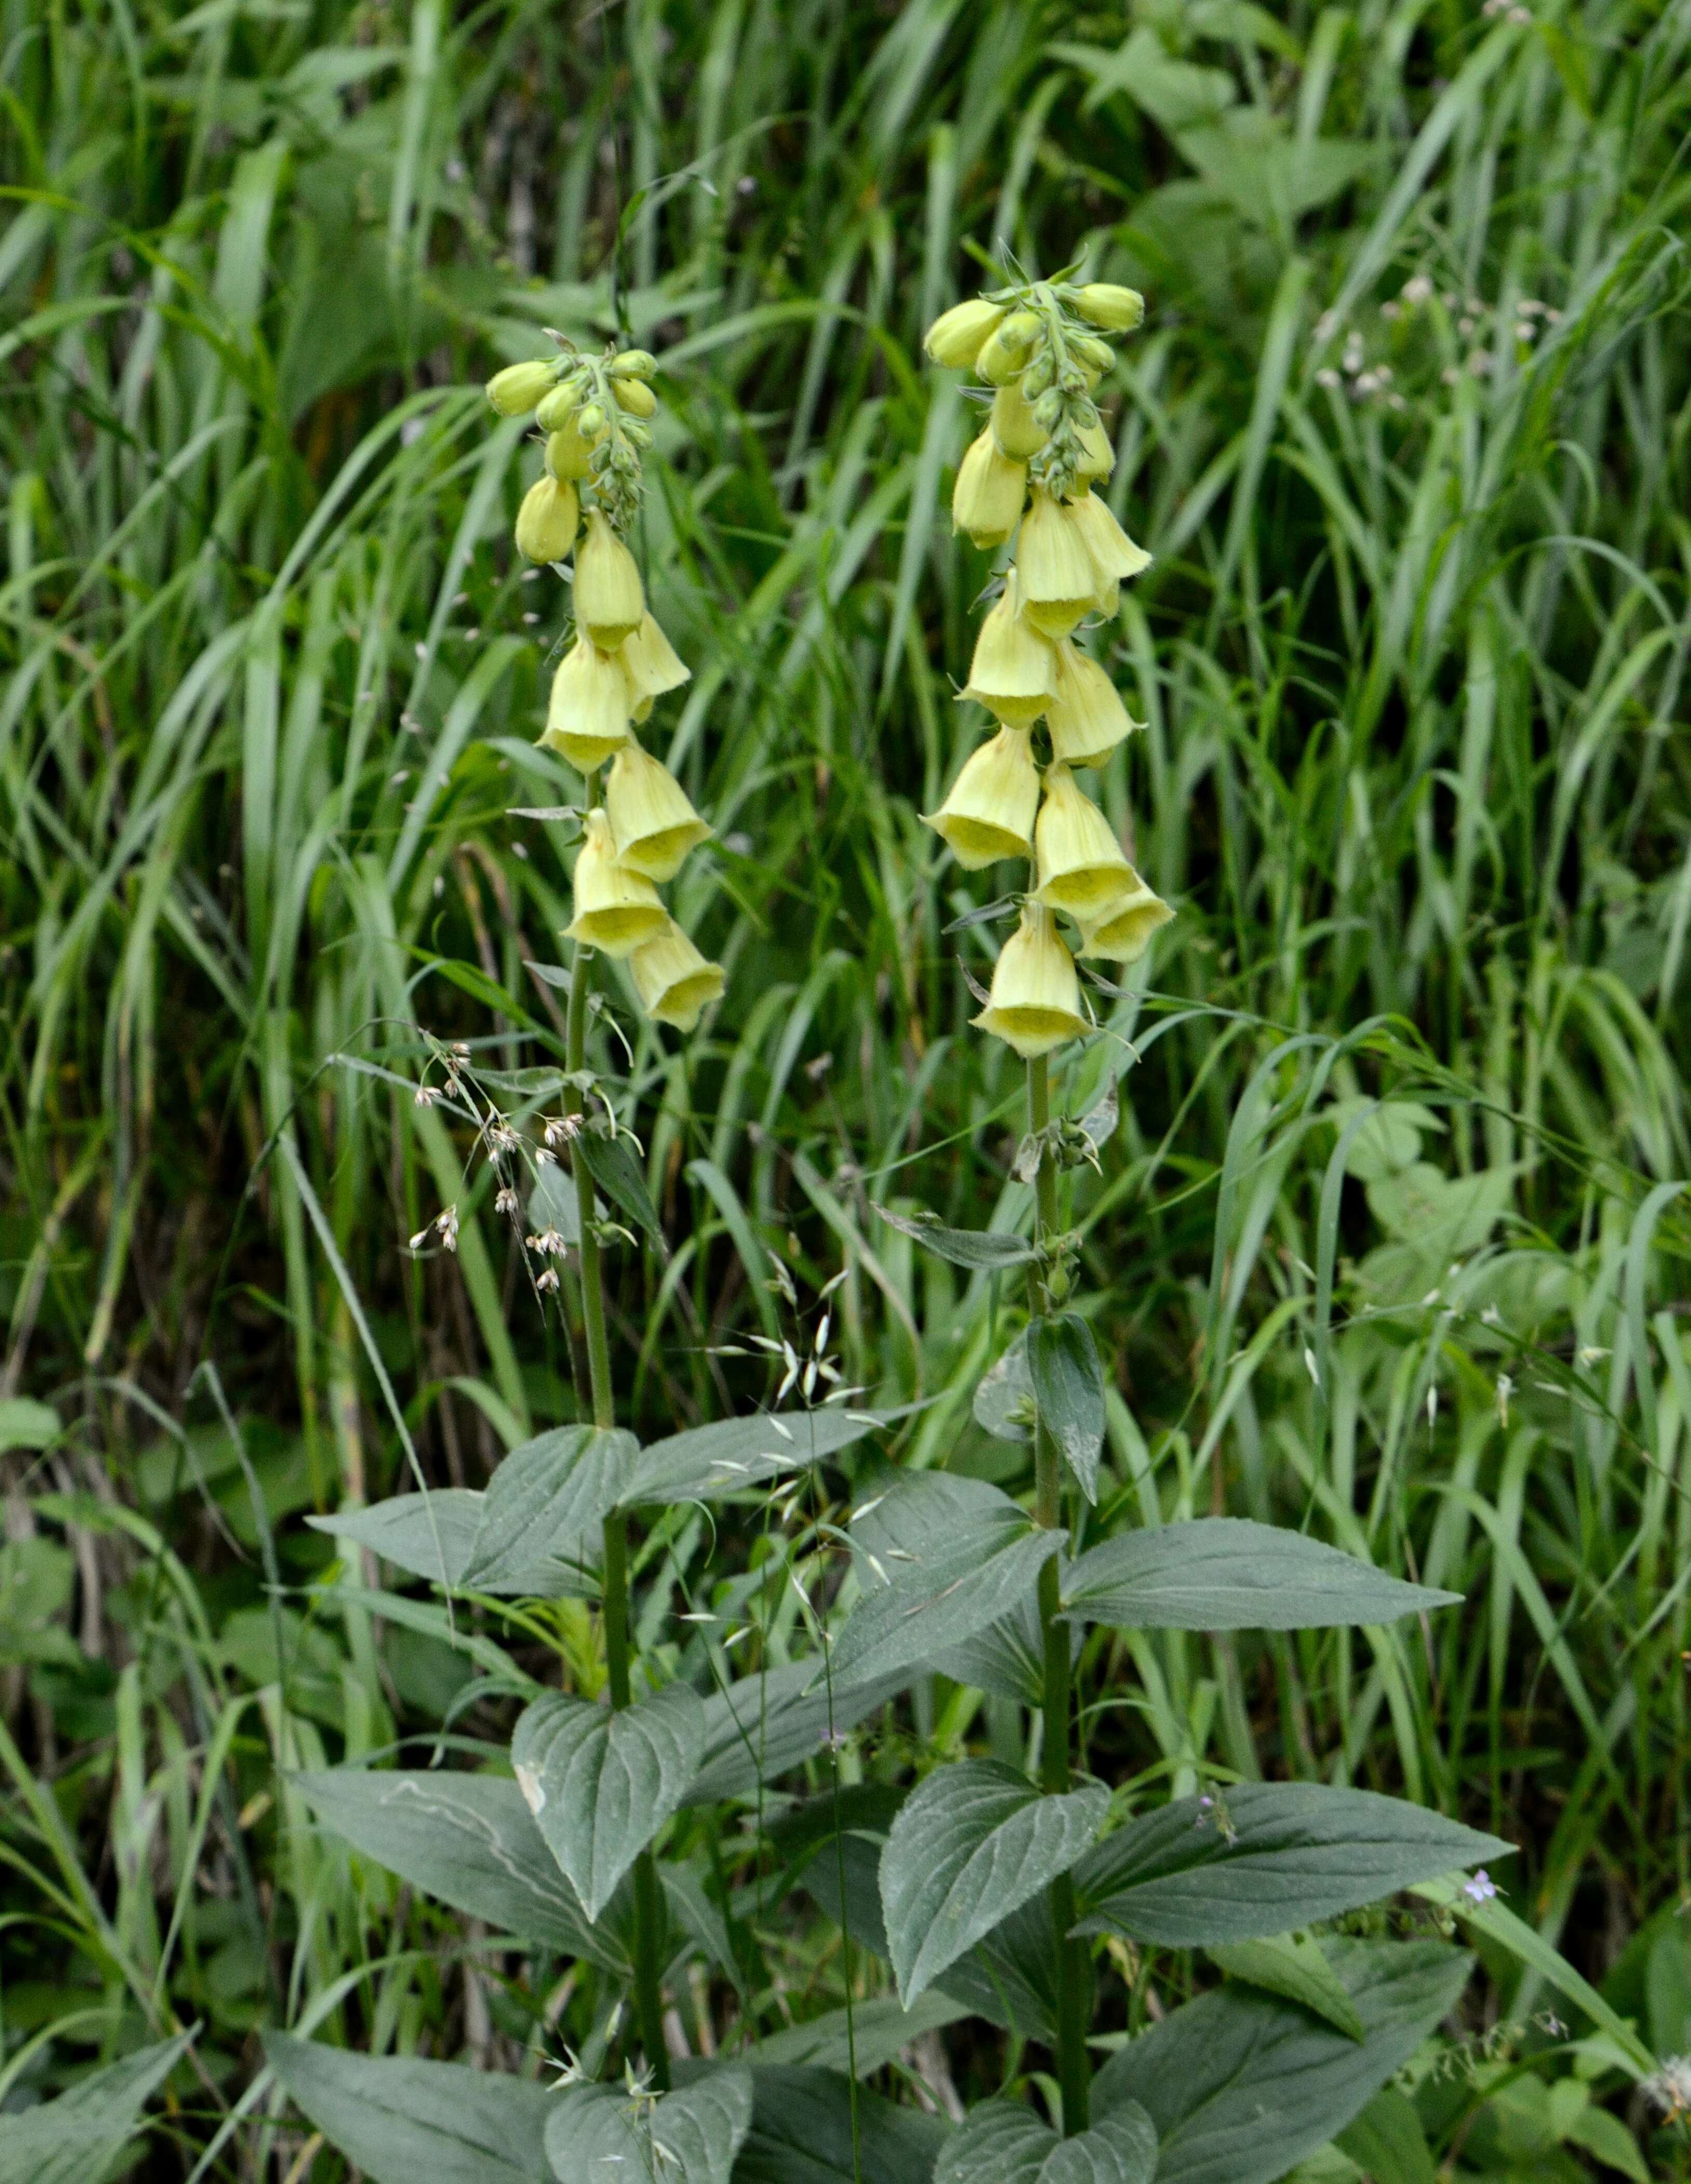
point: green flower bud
(548, 521)
(590, 421)
(1087, 349)
(634, 396)
(1048, 408)
(956, 337)
(557, 408)
(633, 364)
(1118, 310)
(1006, 349)
(1038, 375)
(640, 435)
(515, 391)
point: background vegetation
(1407, 430)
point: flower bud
(634, 396)
(990, 491)
(1117, 310)
(652, 822)
(1048, 410)
(1114, 555)
(569, 453)
(956, 336)
(609, 600)
(1082, 868)
(990, 812)
(1038, 375)
(586, 718)
(614, 910)
(1088, 349)
(1035, 1003)
(515, 391)
(1055, 575)
(1013, 673)
(1123, 932)
(1097, 456)
(651, 664)
(1085, 716)
(637, 434)
(673, 980)
(548, 521)
(561, 404)
(633, 364)
(1005, 350)
(591, 419)
(1014, 427)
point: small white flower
(421, 1238)
(503, 1138)
(1417, 289)
(544, 1159)
(1505, 1389)
(446, 1227)
(1479, 1888)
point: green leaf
(802, 2134)
(548, 1499)
(468, 1839)
(1241, 2085)
(79, 2136)
(688, 2137)
(764, 1724)
(1068, 1391)
(601, 1784)
(614, 1168)
(1226, 1573)
(1002, 2142)
(1603, 2135)
(1007, 1657)
(1282, 1965)
(878, 2032)
(725, 1458)
(971, 1844)
(1004, 1396)
(1276, 1856)
(979, 1250)
(1388, 2143)
(25, 1423)
(431, 1534)
(403, 2121)
(944, 1556)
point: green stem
(648, 1929)
(1074, 1966)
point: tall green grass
(1407, 431)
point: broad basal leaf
(469, 1840)
(1069, 1392)
(601, 1784)
(802, 2134)
(1226, 1573)
(78, 2137)
(687, 2136)
(1284, 1964)
(431, 1535)
(970, 1845)
(408, 2122)
(550, 1497)
(711, 1461)
(1241, 2086)
(979, 1250)
(1277, 1856)
(1003, 2143)
(764, 1724)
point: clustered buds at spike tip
(594, 413)
(1027, 480)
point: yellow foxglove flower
(990, 812)
(520, 387)
(652, 822)
(1117, 310)
(1018, 432)
(610, 603)
(673, 980)
(569, 451)
(1055, 576)
(1013, 671)
(651, 664)
(956, 336)
(1123, 933)
(1097, 456)
(990, 491)
(1035, 1003)
(1082, 868)
(588, 716)
(1113, 554)
(1086, 716)
(615, 910)
(548, 521)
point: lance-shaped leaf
(1003, 2143)
(970, 1846)
(614, 1168)
(81, 2135)
(688, 2137)
(468, 1839)
(1069, 1392)
(979, 1250)
(601, 1784)
(875, 2033)
(431, 1536)
(550, 1497)
(1274, 1857)
(1284, 1964)
(803, 2132)
(1007, 1657)
(941, 1558)
(1004, 1394)
(1241, 2085)
(1226, 1573)
(711, 1461)
(766, 1724)
(404, 2121)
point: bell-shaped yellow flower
(615, 910)
(956, 336)
(1113, 553)
(990, 812)
(672, 979)
(990, 491)
(1082, 868)
(652, 822)
(548, 521)
(1123, 933)
(1013, 671)
(519, 388)
(1035, 1003)
(1018, 431)
(1118, 310)
(610, 603)
(651, 664)
(588, 716)
(1055, 573)
(1085, 716)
